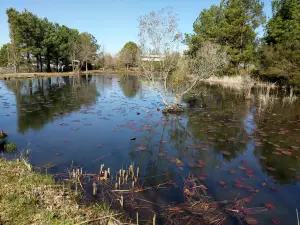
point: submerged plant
(10, 147)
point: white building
(152, 58)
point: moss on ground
(28, 197)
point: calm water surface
(85, 122)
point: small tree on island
(162, 65)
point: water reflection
(220, 137)
(40, 101)
(130, 86)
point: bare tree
(126, 58)
(159, 40)
(110, 62)
(88, 48)
(161, 63)
(210, 58)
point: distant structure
(152, 58)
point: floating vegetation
(3, 135)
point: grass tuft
(28, 197)
(10, 147)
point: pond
(236, 147)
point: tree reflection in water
(39, 101)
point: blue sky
(112, 22)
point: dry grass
(198, 207)
(289, 99)
(238, 82)
(27, 197)
(266, 100)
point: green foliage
(10, 147)
(88, 48)
(129, 54)
(4, 55)
(232, 25)
(37, 41)
(206, 27)
(280, 54)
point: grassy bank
(54, 74)
(28, 197)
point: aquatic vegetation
(3, 135)
(10, 147)
(290, 99)
(266, 99)
(228, 144)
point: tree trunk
(48, 65)
(37, 63)
(57, 64)
(86, 67)
(41, 64)
(15, 68)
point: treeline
(233, 24)
(39, 45)
(36, 41)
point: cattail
(122, 201)
(130, 170)
(154, 219)
(137, 172)
(101, 168)
(108, 173)
(94, 188)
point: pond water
(92, 120)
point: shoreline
(54, 74)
